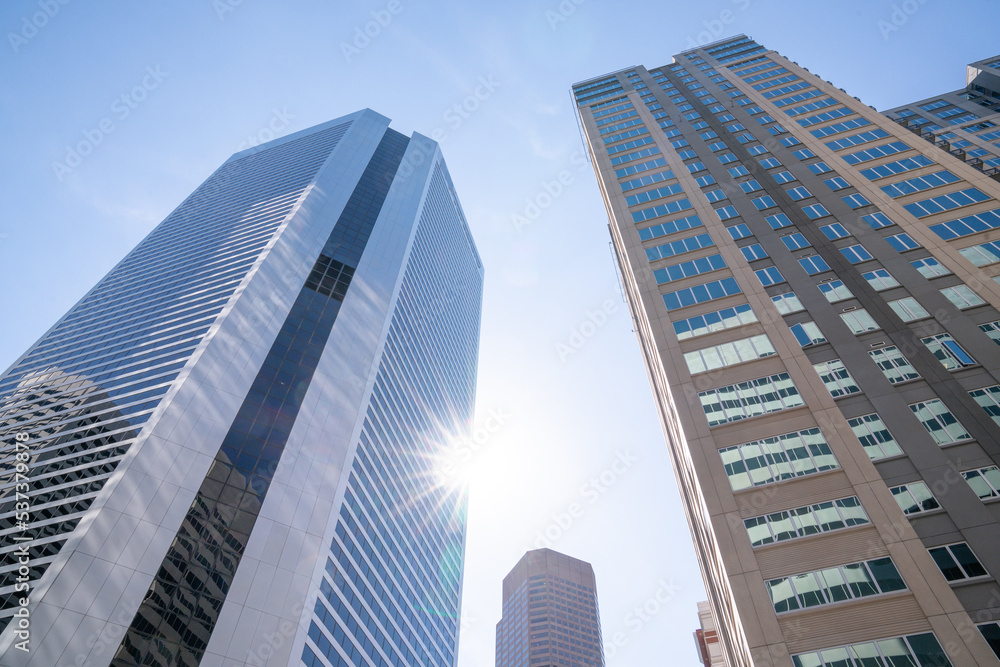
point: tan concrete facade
(736, 572)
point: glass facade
(83, 393)
(304, 331)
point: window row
(804, 521)
(778, 458)
(835, 584)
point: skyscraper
(815, 296)
(228, 444)
(550, 614)
(966, 121)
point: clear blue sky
(201, 77)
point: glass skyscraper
(550, 614)
(815, 293)
(225, 452)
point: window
(702, 181)
(919, 184)
(834, 375)
(875, 153)
(859, 321)
(983, 254)
(701, 293)
(893, 364)
(715, 195)
(819, 168)
(798, 193)
(683, 270)
(970, 224)
(874, 437)
(803, 154)
(914, 498)
(740, 231)
(783, 177)
(756, 150)
(834, 231)
(769, 276)
(962, 296)
(807, 333)
(763, 202)
(880, 279)
(753, 252)
(769, 163)
(726, 212)
(679, 247)
(728, 354)
(952, 200)
(736, 172)
(662, 209)
(778, 221)
(856, 201)
(835, 291)
(908, 309)
(650, 195)
(991, 633)
(948, 352)
(727, 158)
(805, 521)
(921, 650)
(787, 303)
(666, 228)
(750, 399)
(835, 584)
(856, 254)
(939, 422)
(902, 242)
(988, 399)
(774, 459)
(647, 180)
(815, 211)
(930, 268)
(719, 320)
(991, 329)
(857, 139)
(795, 241)
(957, 562)
(751, 186)
(984, 481)
(814, 264)
(877, 220)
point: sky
(113, 117)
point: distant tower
(550, 614)
(228, 443)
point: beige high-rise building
(815, 293)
